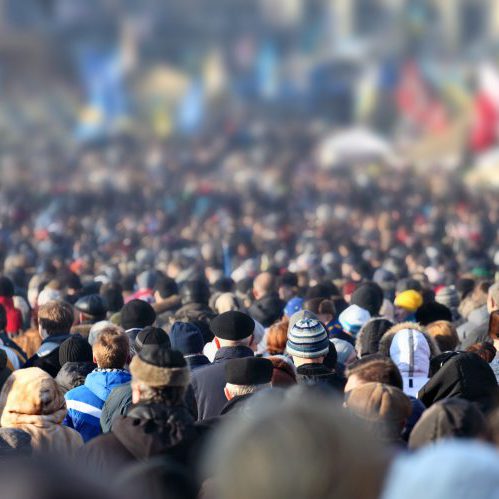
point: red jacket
(14, 317)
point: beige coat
(32, 401)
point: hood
(370, 334)
(154, 429)
(31, 396)
(410, 347)
(73, 374)
(102, 381)
(466, 376)
(449, 418)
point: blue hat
(294, 305)
(186, 338)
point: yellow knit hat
(409, 300)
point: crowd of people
(224, 318)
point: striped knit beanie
(307, 339)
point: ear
(94, 360)
(227, 393)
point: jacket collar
(237, 352)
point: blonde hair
(111, 348)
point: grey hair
(238, 390)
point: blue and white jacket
(84, 403)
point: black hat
(248, 371)
(370, 334)
(92, 305)
(137, 314)
(75, 349)
(152, 336)
(195, 292)
(368, 296)
(6, 286)
(431, 312)
(158, 366)
(232, 325)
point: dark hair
(3, 318)
(376, 368)
(493, 330)
(486, 351)
(320, 306)
(166, 286)
(112, 294)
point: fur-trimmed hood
(370, 334)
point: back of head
(232, 326)
(264, 283)
(370, 334)
(6, 287)
(284, 452)
(368, 296)
(432, 312)
(75, 349)
(307, 339)
(487, 351)
(137, 314)
(151, 335)
(186, 338)
(277, 337)
(195, 292)
(166, 286)
(56, 317)
(445, 334)
(92, 307)
(449, 418)
(112, 294)
(376, 368)
(111, 348)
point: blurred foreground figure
(305, 447)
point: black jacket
(47, 357)
(209, 382)
(235, 405)
(147, 430)
(73, 374)
(196, 361)
(4, 337)
(466, 376)
(268, 309)
(319, 376)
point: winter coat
(120, 400)
(32, 401)
(319, 376)
(147, 430)
(14, 316)
(47, 356)
(267, 309)
(73, 374)
(209, 382)
(411, 348)
(4, 338)
(465, 376)
(195, 361)
(85, 402)
(235, 404)
(449, 418)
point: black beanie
(137, 314)
(232, 325)
(75, 349)
(152, 336)
(431, 312)
(368, 296)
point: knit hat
(307, 339)
(232, 325)
(158, 366)
(248, 371)
(186, 338)
(448, 296)
(353, 318)
(370, 334)
(294, 305)
(368, 296)
(96, 329)
(344, 350)
(137, 314)
(301, 314)
(75, 349)
(431, 312)
(151, 336)
(409, 300)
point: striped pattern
(308, 339)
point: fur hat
(370, 334)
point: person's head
(370, 334)
(159, 375)
(493, 330)
(384, 408)
(287, 286)
(432, 312)
(445, 334)
(90, 309)
(111, 348)
(55, 318)
(294, 305)
(164, 288)
(246, 376)
(137, 314)
(324, 309)
(112, 294)
(353, 318)
(186, 337)
(6, 287)
(493, 298)
(226, 302)
(406, 303)
(151, 335)
(308, 342)
(196, 291)
(487, 351)
(368, 296)
(75, 349)
(277, 337)
(374, 368)
(246, 455)
(233, 328)
(263, 284)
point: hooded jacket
(411, 348)
(32, 401)
(370, 334)
(85, 402)
(147, 430)
(448, 418)
(465, 376)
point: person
(267, 307)
(32, 401)
(195, 297)
(309, 346)
(352, 319)
(277, 336)
(384, 408)
(449, 296)
(135, 316)
(325, 310)
(470, 471)
(54, 322)
(246, 458)
(432, 311)
(465, 375)
(166, 298)
(112, 294)
(84, 403)
(5, 370)
(368, 296)
(487, 351)
(449, 418)
(14, 317)
(89, 309)
(370, 334)
(233, 332)
(493, 335)
(411, 348)
(6, 341)
(445, 335)
(243, 378)
(14, 443)
(406, 303)
(187, 339)
(373, 368)
(158, 423)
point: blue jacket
(85, 402)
